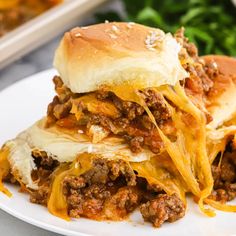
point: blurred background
(30, 31)
(210, 24)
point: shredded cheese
(220, 206)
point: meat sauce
(111, 190)
(116, 117)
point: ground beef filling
(201, 76)
(129, 122)
(109, 191)
(224, 174)
(163, 208)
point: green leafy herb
(210, 24)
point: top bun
(115, 53)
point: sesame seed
(106, 21)
(214, 65)
(202, 61)
(153, 38)
(77, 35)
(84, 27)
(115, 28)
(130, 24)
(80, 131)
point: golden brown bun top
(115, 53)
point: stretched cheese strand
(57, 204)
(160, 170)
(220, 206)
(203, 167)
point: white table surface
(36, 61)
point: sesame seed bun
(116, 53)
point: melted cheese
(4, 169)
(94, 106)
(188, 152)
(220, 206)
(57, 204)
(197, 144)
(160, 170)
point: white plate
(25, 102)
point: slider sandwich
(138, 120)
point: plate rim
(9, 86)
(40, 224)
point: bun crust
(222, 97)
(116, 53)
(62, 147)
